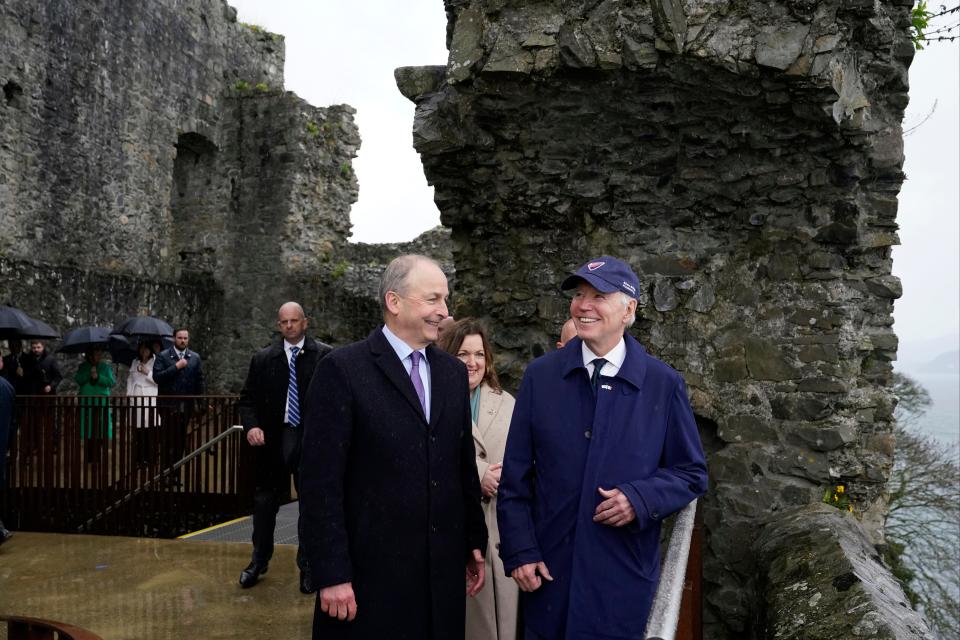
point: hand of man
(181, 363)
(475, 573)
(491, 480)
(616, 510)
(339, 602)
(255, 437)
(528, 576)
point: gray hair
(395, 276)
(625, 299)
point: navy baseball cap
(606, 274)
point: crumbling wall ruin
(745, 158)
(153, 142)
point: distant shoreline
(942, 419)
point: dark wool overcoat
(263, 402)
(388, 501)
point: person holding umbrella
(95, 378)
(141, 387)
(13, 369)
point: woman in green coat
(95, 378)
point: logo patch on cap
(593, 266)
(629, 287)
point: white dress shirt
(614, 359)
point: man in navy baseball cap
(605, 434)
(606, 274)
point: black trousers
(272, 486)
(173, 423)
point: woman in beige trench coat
(492, 614)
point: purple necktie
(417, 382)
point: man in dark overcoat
(271, 410)
(390, 492)
(178, 371)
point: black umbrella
(121, 350)
(15, 323)
(124, 350)
(145, 327)
(83, 339)
(40, 329)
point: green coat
(95, 419)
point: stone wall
(342, 295)
(822, 579)
(154, 142)
(75, 296)
(745, 158)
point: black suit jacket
(388, 501)
(263, 400)
(178, 382)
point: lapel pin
(606, 386)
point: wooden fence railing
(20, 628)
(73, 458)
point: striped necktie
(293, 395)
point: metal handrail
(163, 474)
(665, 611)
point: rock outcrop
(745, 158)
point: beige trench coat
(492, 614)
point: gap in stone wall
(12, 93)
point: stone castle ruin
(744, 157)
(151, 161)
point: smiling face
(414, 313)
(472, 354)
(601, 318)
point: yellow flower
(850, 508)
(839, 488)
(835, 498)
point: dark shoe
(250, 575)
(6, 534)
(306, 582)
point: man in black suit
(271, 405)
(389, 487)
(177, 371)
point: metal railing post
(163, 474)
(665, 611)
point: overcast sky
(345, 52)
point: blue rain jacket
(638, 435)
